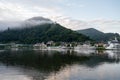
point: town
(51, 45)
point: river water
(59, 65)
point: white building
(40, 46)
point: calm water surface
(56, 65)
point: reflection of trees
(98, 59)
(43, 60)
(52, 60)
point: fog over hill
(39, 29)
(26, 23)
(106, 26)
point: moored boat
(113, 45)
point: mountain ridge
(41, 33)
(98, 35)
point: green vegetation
(41, 33)
(98, 35)
(100, 48)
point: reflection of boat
(113, 54)
(113, 45)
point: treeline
(41, 33)
(98, 35)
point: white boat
(113, 45)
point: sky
(103, 15)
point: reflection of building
(84, 47)
(113, 45)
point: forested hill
(98, 35)
(41, 33)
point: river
(59, 65)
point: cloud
(107, 25)
(11, 24)
(71, 23)
(100, 24)
(10, 11)
(75, 5)
(15, 11)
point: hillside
(98, 35)
(44, 32)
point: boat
(113, 45)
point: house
(40, 46)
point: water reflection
(63, 65)
(113, 53)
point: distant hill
(98, 35)
(39, 29)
